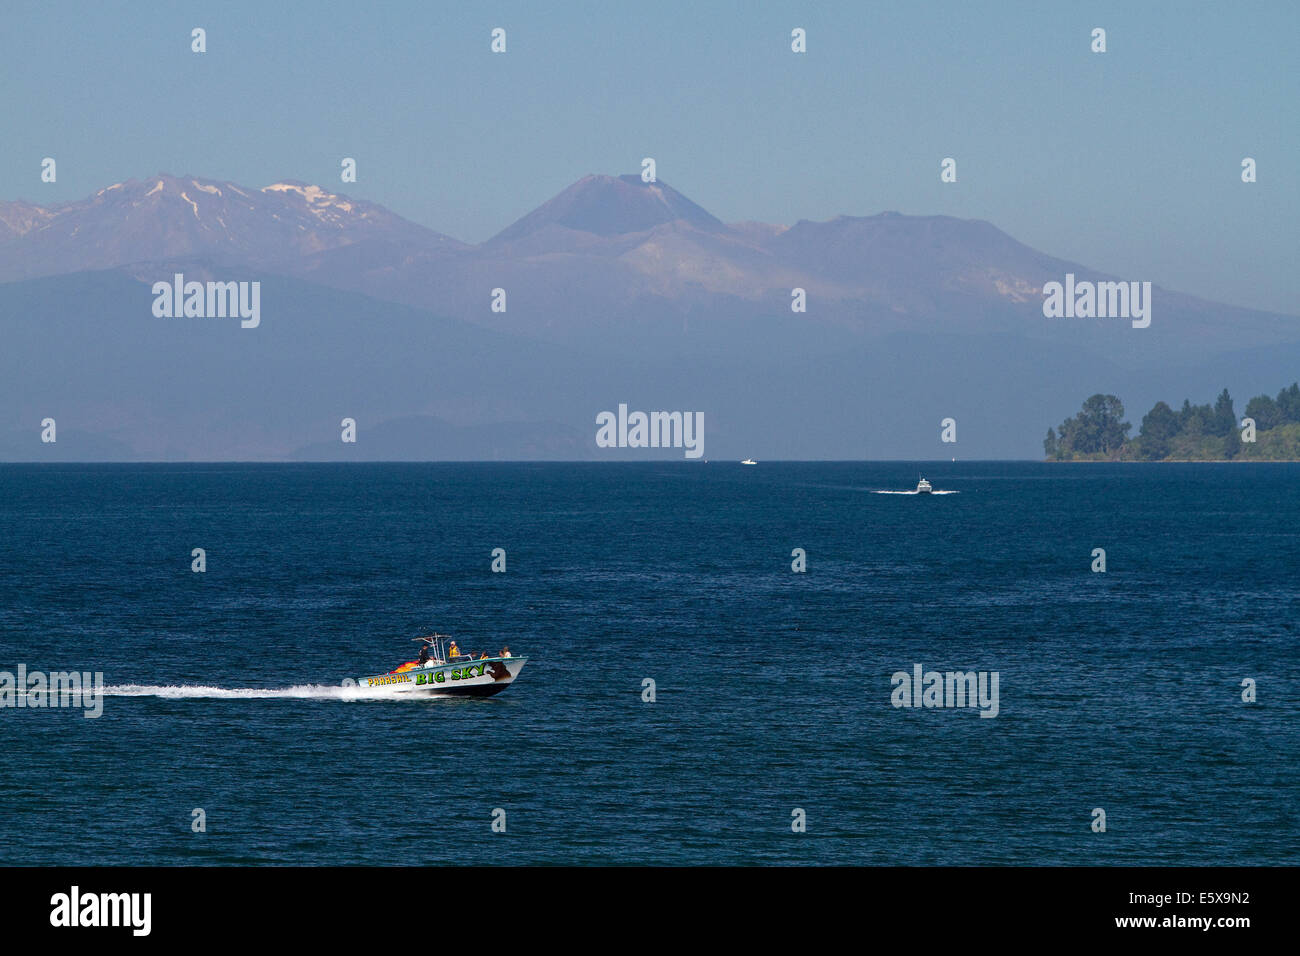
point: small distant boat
(749, 461)
(923, 487)
(443, 671)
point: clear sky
(1127, 161)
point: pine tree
(1225, 419)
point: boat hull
(468, 678)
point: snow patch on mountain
(321, 203)
(312, 194)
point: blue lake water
(1119, 690)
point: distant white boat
(749, 461)
(923, 487)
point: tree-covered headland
(1268, 431)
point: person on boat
(505, 652)
(424, 653)
(453, 651)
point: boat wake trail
(935, 492)
(197, 691)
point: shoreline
(1170, 461)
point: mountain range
(615, 291)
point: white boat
(442, 670)
(749, 461)
(923, 487)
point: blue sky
(1127, 161)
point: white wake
(297, 692)
(935, 492)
